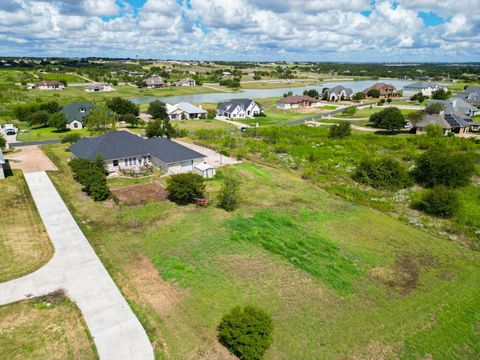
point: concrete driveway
(213, 157)
(30, 159)
(76, 269)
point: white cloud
(101, 7)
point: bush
(246, 332)
(340, 130)
(71, 138)
(439, 201)
(359, 96)
(382, 173)
(374, 93)
(184, 188)
(349, 111)
(91, 174)
(439, 166)
(434, 131)
(229, 195)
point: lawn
(69, 78)
(50, 327)
(276, 85)
(367, 112)
(202, 124)
(340, 280)
(24, 243)
(46, 133)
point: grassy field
(204, 124)
(45, 133)
(24, 243)
(367, 112)
(340, 280)
(276, 85)
(69, 78)
(50, 327)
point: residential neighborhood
(238, 179)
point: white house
(50, 85)
(339, 93)
(186, 82)
(122, 150)
(185, 111)
(426, 88)
(238, 109)
(97, 87)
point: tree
(99, 121)
(162, 128)
(130, 119)
(38, 118)
(418, 97)
(229, 195)
(57, 120)
(382, 173)
(416, 116)
(359, 96)
(390, 119)
(154, 129)
(441, 94)
(374, 93)
(70, 138)
(122, 106)
(439, 201)
(340, 130)
(434, 131)
(183, 189)
(158, 110)
(312, 93)
(91, 174)
(50, 107)
(389, 100)
(246, 332)
(440, 166)
(434, 108)
(211, 114)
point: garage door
(186, 165)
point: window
(126, 162)
(82, 110)
(130, 160)
(75, 125)
(115, 163)
(148, 158)
(135, 161)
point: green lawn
(24, 243)
(46, 133)
(202, 124)
(69, 78)
(339, 279)
(49, 327)
(367, 112)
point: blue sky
(318, 30)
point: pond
(265, 93)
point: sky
(257, 30)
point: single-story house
(186, 82)
(97, 87)
(122, 150)
(205, 170)
(2, 164)
(238, 109)
(76, 112)
(339, 93)
(386, 90)
(426, 88)
(457, 105)
(452, 122)
(185, 111)
(226, 73)
(155, 81)
(471, 95)
(294, 102)
(49, 85)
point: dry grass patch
(24, 243)
(49, 327)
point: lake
(265, 93)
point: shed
(206, 170)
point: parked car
(407, 125)
(9, 129)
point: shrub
(374, 93)
(91, 174)
(229, 195)
(246, 332)
(441, 94)
(434, 131)
(382, 173)
(439, 201)
(349, 111)
(184, 188)
(340, 130)
(70, 138)
(439, 166)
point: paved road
(33, 143)
(76, 269)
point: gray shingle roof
(123, 144)
(456, 104)
(338, 89)
(232, 104)
(422, 85)
(73, 111)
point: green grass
(49, 327)
(213, 260)
(69, 78)
(276, 85)
(367, 112)
(46, 133)
(202, 124)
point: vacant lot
(24, 243)
(50, 327)
(204, 124)
(341, 281)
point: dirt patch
(376, 351)
(405, 272)
(139, 194)
(30, 159)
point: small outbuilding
(205, 170)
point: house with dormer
(239, 108)
(77, 112)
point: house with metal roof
(426, 88)
(338, 93)
(122, 150)
(185, 111)
(76, 113)
(239, 109)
